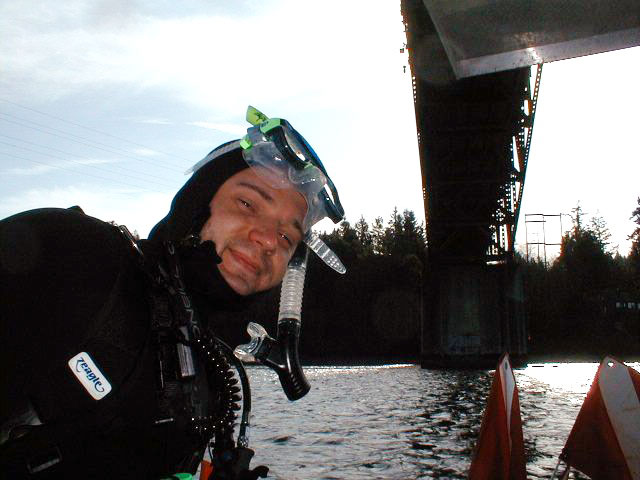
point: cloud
(336, 79)
(213, 62)
(155, 121)
(137, 209)
(145, 152)
(232, 128)
(41, 168)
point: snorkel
(282, 158)
(281, 354)
(289, 160)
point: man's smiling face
(256, 229)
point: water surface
(404, 422)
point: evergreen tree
(392, 242)
(635, 216)
(583, 283)
(602, 235)
(413, 234)
(634, 253)
(364, 236)
(576, 217)
(572, 305)
(344, 241)
(377, 236)
(583, 255)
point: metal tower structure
(475, 94)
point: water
(403, 422)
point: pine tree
(602, 235)
(584, 259)
(392, 240)
(364, 236)
(577, 219)
(344, 241)
(413, 234)
(634, 253)
(377, 236)
(635, 236)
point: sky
(106, 104)
(584, 147)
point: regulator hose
(221, 374)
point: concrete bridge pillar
(473, 313)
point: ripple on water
(404, 423)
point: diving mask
(288, 160)
(282, 158)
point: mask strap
(221, 150)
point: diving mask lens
(287, 159)
(295, 147)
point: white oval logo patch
(91, 378)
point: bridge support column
(473, 313)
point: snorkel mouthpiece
(281, 354)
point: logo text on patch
(89, 375)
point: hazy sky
(105, 104)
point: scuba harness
(230, 459)
(193, 365)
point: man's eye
(244, 203)
(286, 238)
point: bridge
(476, 68)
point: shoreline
(531, 359)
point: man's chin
(237, 283)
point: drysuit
(73, 286)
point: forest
(587, 301)
(583, 304)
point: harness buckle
(44, 459)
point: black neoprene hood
(188, 214)
(190, 207)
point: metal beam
(481, 36)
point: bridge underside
(473, 145)
(475, 95)
(473, 137)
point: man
(109, 367)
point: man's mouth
(245, 261)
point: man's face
(256, 229)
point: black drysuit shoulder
(69, 283)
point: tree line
(370, 313)
(577, 305)
(587, 302)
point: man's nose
(265, 235)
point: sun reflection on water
(324, 371)
(570, 377)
